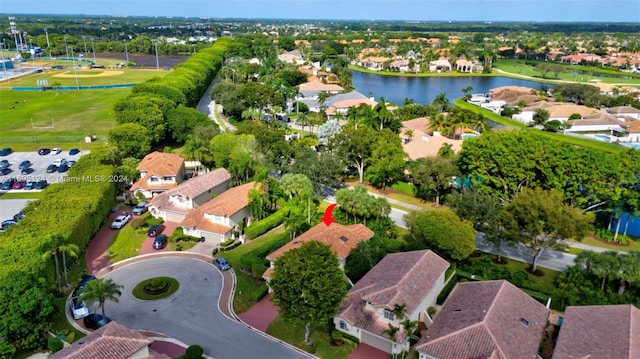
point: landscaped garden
(155, 288)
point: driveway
(191, 315)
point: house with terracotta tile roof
(624, 111)
(560, 111)
(174, 204)
(342, 102)
(292, 57)
(113, 341)
(492, 319)
(464, 65)
(341, 238)
(311, 90)
(599, 332)
(217, 219)
(440, 65)
(158, 172)
(413, 279)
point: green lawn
(419, 74)
(246, 285)
(126, 243)
(634, 245)
(399, 194)
(21, 195)
(292, 332)
(93, 77)
(576, 73)
(572, 140)
(548, 279)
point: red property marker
(327, 218)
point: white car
(55, 151)
(121, 220)
(59, 161)
(78, 309)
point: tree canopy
(442, 231)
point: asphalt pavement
(39, 165)
(9, 207)
(190, 315)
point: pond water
(424, 89)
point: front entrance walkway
(261, 314)
(364, 351)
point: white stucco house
(413, 279)
(174, 205)
(217, 219)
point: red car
(19, 184)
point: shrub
(54, 344)
(350, 340)
(214, 252)
(227, 242)
(230, 247)
(137, 223)
(259, 293)
(194, 352)
(7, 350)
(431, 311)
(263, 226)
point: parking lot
(39, 164)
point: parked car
(59, 161)
(4, 164)
(29, 185)
(57, 67)
(19, 184)
(55, 151)
(160, 241)
(63, 168)
(95, 321)
(78, 308)
(121, 220)
(8, 223)
(83, 283)
(25, 164)
(52, 168)
(7, 184)
(27, 171)
(140, 208)
(155, 230)
(5, 171)
(6, 151)
(42, 184)
(221, 263)
(18, 216)
(74, 151)
(71, 163)
(44, 151)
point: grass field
(85, 77)
(292, 332)
(576, 73)
(419, 74)
(33, 119)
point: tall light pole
(75, 72)
(155, 42)
(4, 64)
(94, 50)
(66, 48)
(84, 38)
(48, 44)
(126, 52)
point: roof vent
(524, 322)
(81, 342)
(343, 238)
(457, 310)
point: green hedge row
(265, 225)
(75, 209)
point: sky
(411, 10)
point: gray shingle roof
(353, 95)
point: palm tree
(101, 290)
(72, 250)
(53, 241)
(442, 102)
(391, 332)
(409, 134)
(410, 327)
(540, 117)
(382, 113)
(467, 92)
(399, 311)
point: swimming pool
(635, 146)
(603, 138)
(467, 136)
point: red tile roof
(161, 164)
(342, 239)
(599, 332)
(399, 278)
(190, 189)
(492, 319)
(113, 341)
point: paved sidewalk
(261, 314)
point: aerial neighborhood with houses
(273, 196)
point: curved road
(190, 315)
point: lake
(424, 89)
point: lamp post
(75, 72)
(94, 50)
(155, 42)
(126, 52)
(66, 48)
(4, 64)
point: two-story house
(412, 280)
(174, 204)
(342, 239)
(219, 217)
(158, 172)
(111, 341)
(492, 319)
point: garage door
(376, 341)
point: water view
(424, 89)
